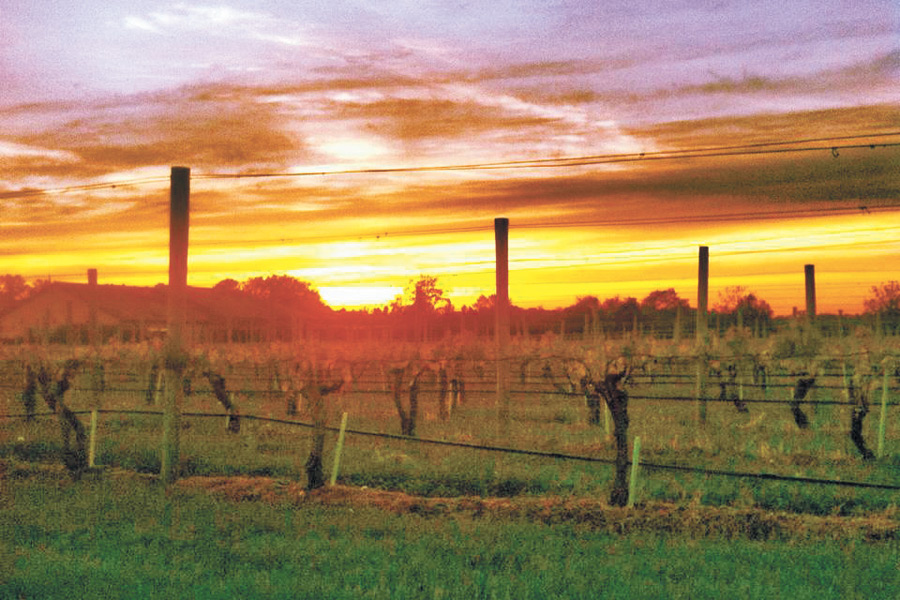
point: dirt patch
(690, 520)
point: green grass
(129, 539)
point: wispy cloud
(221, 21)
(141, 24)
(11, 151)
(186, 17)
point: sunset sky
(98, 92)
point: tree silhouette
(12, 289)
(621, 311)
(664, 300)
(737, 301)
(284, 290)
(424, 297)
(884, 301)
(227, 286)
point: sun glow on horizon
(549, 266)
(348, 296)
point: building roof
(123, 303)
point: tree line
(425, 309)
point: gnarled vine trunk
(617, 401)
(801, 389)
(74, 435)
(859, 398)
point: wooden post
(177, 292)
(700, 396)
(92, 443)
(702, 293)
(607, 426)
(160, 387)
(501, 242)
(885, 391)
(632, 482)
(810, 272)
(92, 306)
(676, 327)
(97, 385)
(338, 450)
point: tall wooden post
(175, 357)
(92, 306)
(501, 330)
(703, 294)
(676, 326)
(810, 272)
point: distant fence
(488, 448)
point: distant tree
(729, 298)
(12, 289)
(621, 311)
(660, 310)
(485, 303)
(423, 296)
(227, 286)
(884, 299)
(586, 304)
(285, 291)
(663, 300)
(734, 300)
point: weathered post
(702, 294)
(338, 450)
(885, 392)
(810, 272)
(97, 386)
(501, 330)
(702, 329)
(92, 440)
(633, 480)
(174, 352)
(676, 327)
(92, 306)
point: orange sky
(240, 89)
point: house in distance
(71, 313)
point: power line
(527, 452)
(560, 162)
(711, 218)
(556, 163)
(595, 260)
(27, 193)
(742, 216)
(709, 152)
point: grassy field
(126, 537)
(120, 536)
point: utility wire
(728, 217)
(535, 453)
(575, 161)
(562, 162)
(26, 193)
